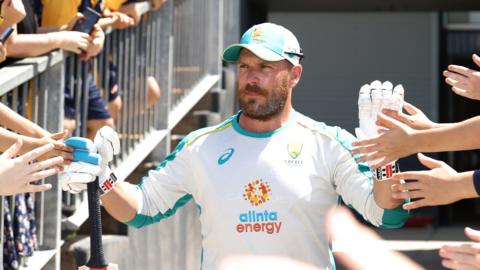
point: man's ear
(295, 75)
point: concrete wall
(346, 50)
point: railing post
(52, 87)
(164, 62)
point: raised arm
(438, 186)
(355, 184)
(400, 140)
(464, 81)
(18, 173)
(156, 197)
(17, 123)
(7, 138)
(122, 202)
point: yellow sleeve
(56, 13)
(114, 5)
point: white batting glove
(88, 164)
(372, 99)
(84, 168)
(107, 144)
(77, 175)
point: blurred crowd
(29, 153)
(40, 27)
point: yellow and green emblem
(294, 149)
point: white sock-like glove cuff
(386, 172)
(106, 181)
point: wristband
(386, 172)
(107, 185)
(476, 181)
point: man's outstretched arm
(164, 190)
(121, 202)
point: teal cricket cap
(269, 42)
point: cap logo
(257, 34)
(291, 50)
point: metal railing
(32, 88)
(126, 50)
(179, 45)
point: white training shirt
(263, 193)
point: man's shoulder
(334, 133)
(206, 131)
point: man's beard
(273, 106)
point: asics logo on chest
(225, 156)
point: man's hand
(464, 81)
(85, 168)
(77, 175)
(17, 174)
(395, 141)
(466, 256)
(107, 145)
(88, 164)
(371, 100)
(439, 186)
(97, 39)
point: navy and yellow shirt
(56, 13)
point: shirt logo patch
(257, 192)
(225, 156)
(294, 149)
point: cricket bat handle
(97, 257)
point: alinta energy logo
(257, 193)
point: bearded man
(264, 178)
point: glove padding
(107, 143)
(87, 163)
(372, 99)
(77, 175)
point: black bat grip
(97, 257)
